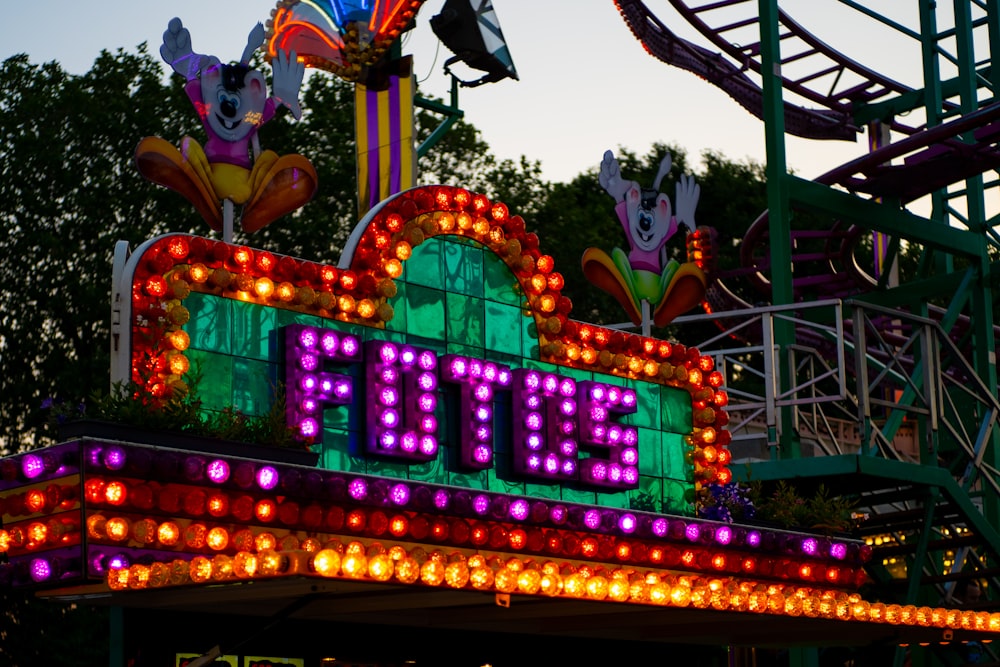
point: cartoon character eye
(228, 100)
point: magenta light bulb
(307, 338)
(428, 445)
(32, 466)
(267, 478)
(519, 509)
(114, 458)
(358, 488)
(400, 494)
(41, 569)
(329, 342)
(218, 471)
(482, 454)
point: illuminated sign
(440, 348)
(552, 415)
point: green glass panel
(470, 480)
(466, 320)
(425, 266)
(426, 312)
(283, 318)
(393, 336)
(650, 452)
(529, 338)
(674, 465)
(428, 344)
(215, 389)
(649, 496)
(252, 325)
(500, 285)
(676, 410)
(335, 448)
(463, 269)
(466, 350)
(498, 484)
(613, 499)
(503, 328)
(579, 496)
(577, 374)
(340, 416)
(210, 324)
(385, 468)
(252, 386)
(400, 308)
(434, 472)
(675, 498)
(552, 491)
(648, 404)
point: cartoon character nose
(645, 222)
(228, 109)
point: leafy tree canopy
(69, 192)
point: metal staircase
(905, 368)
(881, 388)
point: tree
(69, 191)
(580, 214)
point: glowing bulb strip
(221, 519)
(487, 572)
(175, 265)
(184, 487)
(401, 384)
(478, 381)
(308, 388)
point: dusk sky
(586, 84)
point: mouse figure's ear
(254, 41)
(665, 164)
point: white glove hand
(686, 200)
(288, 73)
(177, 52)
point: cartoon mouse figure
(648, 285)
(232, 102)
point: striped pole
(384, 128)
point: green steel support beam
(933, 105)
(909, 101)
(917, 382)
(117, 637)
(452, 114)
(894, 472)
(993, 30)
(927, 288)
(915, 569)
(779, 214)
(984, 350)
(803, 656)
(811, 196)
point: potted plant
(129, 414)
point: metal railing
(864, 379)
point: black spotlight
(470, 29)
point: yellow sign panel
(184, 659)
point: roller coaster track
(936, 500)
(841, 88)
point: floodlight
(470, 29)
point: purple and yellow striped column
(384, 127)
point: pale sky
(586, 84)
